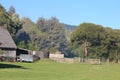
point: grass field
(50, 70)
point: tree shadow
(3, 66)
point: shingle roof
(6, 40)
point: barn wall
(9, 53)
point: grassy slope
(48, 70)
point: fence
(77, 60)
(94, 61)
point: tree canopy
(96, 41)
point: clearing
(50, 70)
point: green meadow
(50, 70)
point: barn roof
(6, 40)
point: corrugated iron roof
(6, 40)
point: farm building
(7, 44)
(24, 55)
(30, 56)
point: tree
(17, 23)
(40, 23)
(95, 41)
(32, 47)
(11, 10)
(1, 51)
(87, 35)
(112, 42)
(22, 36)
(4, 18)
(55, 34)
(22, 44)
(12, 23)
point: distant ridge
(70, 27)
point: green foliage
(87, 35)
(4, 18)
(44, 35)
(54, 34)
(97, 41)
(22, 36)
(31, 47)
(11, 10)
(10, 22)
(1, 51)
(22, 44)
(17, 23)
(53, 50)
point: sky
(73, 12)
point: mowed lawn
(50, 70)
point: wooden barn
(7, 45)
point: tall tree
(41, 23)
(87, 35)
(17, 23)
(4, 17)
(112, 42)
(55, 31)
(11, 10)
(9, 22)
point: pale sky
(74, 12)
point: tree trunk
(117, 58)
(86, 45)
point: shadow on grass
(2, 66)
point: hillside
(70, 27)
(68, 30)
